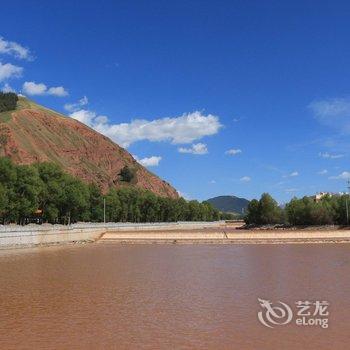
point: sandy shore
(227, 234)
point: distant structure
(320, 195)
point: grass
(5, 117)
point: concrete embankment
(13, 236)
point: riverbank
(228, 234)
(14, 236)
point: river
(111, 296)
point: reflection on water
(109, 296)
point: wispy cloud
(233, 151)
(345, 175)
(31, 88)
(196, 148)
(8, 71)
(292, 174)
(15, 49)
(245, 179)
(73, 107)
(149, 161)
(327, 155)
(322, 172)
(7, 88)
(183, 129)
(333, 112)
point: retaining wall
(31, 235)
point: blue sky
(217, 97)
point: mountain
(32, 133)
(229, 204)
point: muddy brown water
(110, 296)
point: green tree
(263, 212)
(75, 200)
(51, 196)
(95, 203)
(3, 200)
(270, 212)
(26, 188)
(253, 213)
(26, 192)
(113, 206)
(8, 101)
(127, 174)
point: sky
(216, 97)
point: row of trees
(59, 197)
(8, 101)
(304, 211)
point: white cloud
(150, 161)
(345, 175)
(184, 129)
(233, 152)
(323, 172)
(57, 91)
(9, 70)
(14, 49)
(196, 148)
(73, 107)
(212, 182)
(85, 116)
(245, 179)
(101, 119)
(330, 156)
(292, 174)
(7, 88)
(334, 112)
(31, 88)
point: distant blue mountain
(229, 204)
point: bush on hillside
(8, 101)
(127, 174)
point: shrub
(8, 101)
(127, 174)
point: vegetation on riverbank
(46, 191)
(306, 211)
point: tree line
(329, 210)
(45, 191)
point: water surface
(110, 296)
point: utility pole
(346, 202)
(104, 209)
